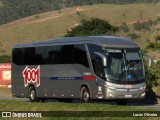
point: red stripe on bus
(89, 77)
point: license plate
(128, 86)
(128, 96)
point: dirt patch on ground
(5, 92)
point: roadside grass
(82, 118)
(10, 105)
(27, 30)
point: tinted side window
(39, 56)
(99, 69)
(53, 54)
(18, 56)
(80, 55)
(29, 56)
(66, 54)
(93, 48)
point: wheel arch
(29, 87)
(88, 86)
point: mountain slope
(55, 23)
(16, 9)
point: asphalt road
(5, 94)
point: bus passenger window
(99, 71)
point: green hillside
(16, 9)
(54, 24)
(1, 4)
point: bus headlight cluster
(143, 95)
(111, 88)
(111, 95)
(143, 88)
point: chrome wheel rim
(32, 95)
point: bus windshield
(124, 65)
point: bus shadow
(150, 99)
(80, 101)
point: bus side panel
(56, 81)
(17, 81)
(61, 81)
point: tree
(5, 59)
(152, 76)
(158, 38)
(92, 27)
(124, 27)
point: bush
(133, 36)
(152, 76)
(158, 38)
(151, 45)
(143, 25)
(158, 18)
(92, 27)
(124, 27)
(5, 59)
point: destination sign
(113, 51)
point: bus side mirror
(104, 60)
(149, 59)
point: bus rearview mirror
(104, 60)
(149, 59)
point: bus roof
(106, 41)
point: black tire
(121, 102)
(33, 95)
(85, 95)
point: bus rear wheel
(33, 95)
(85, 95)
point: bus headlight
(111, 88)
(143, 95)
(111, 95)
(143, 88)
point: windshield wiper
(126, 71)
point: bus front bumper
(125, 94)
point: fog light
(143, 94)
(142, 88)
(111, 95)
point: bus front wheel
(85, 95)
(33, 95)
